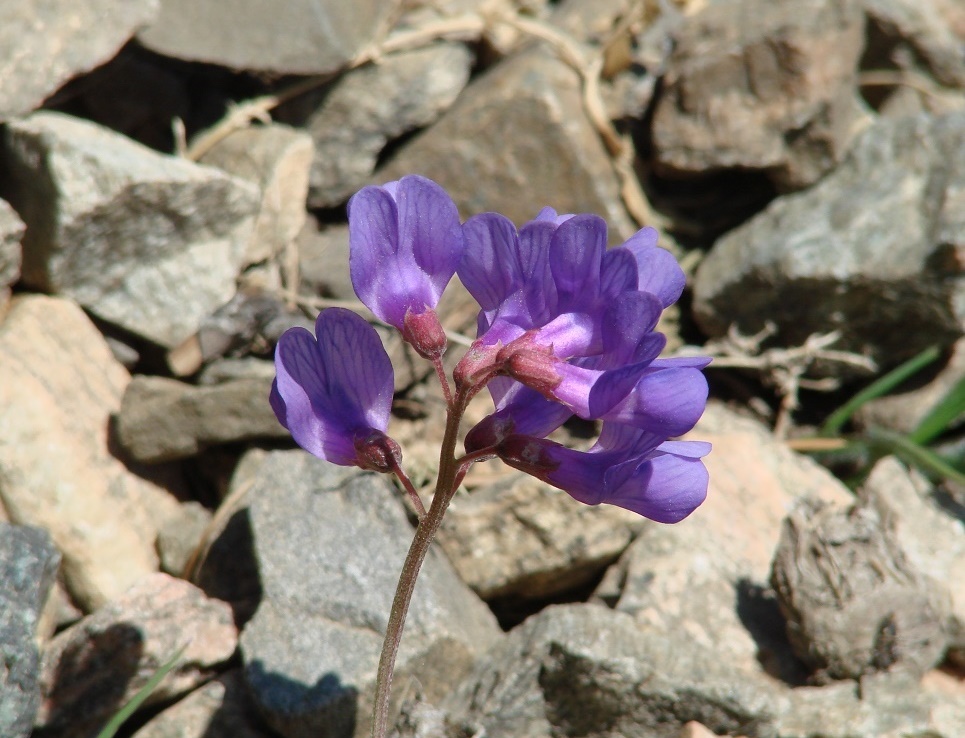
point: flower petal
(667, 401)
(658, 270)
(666, 488)
(576, 257)
(429, 229)
(328, 391)
(490, 268)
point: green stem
(445, 489)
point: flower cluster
(566, 327)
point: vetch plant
(566, 327)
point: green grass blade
(916, 455)
(137, 700)
(949, 409)
(878, 388)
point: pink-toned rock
(59, 386)
(95, 666)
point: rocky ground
(173, 177)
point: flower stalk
(567, 327)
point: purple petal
(576, 257)
(659, 273)
(627, 330)
(667, 401)
(618, 273)
(539, 289)
(429, 229)
(490, 268)
(666, 489)
(327, 391)
(357, 360)
(373, 227)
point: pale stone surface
(59, 386)
(11, 231)
(330, 542)
(98, 664)
(873, 250)
(163, 419)
(516, 140)
(149, 242)
(525, 539)
(931, 539)
(353, 120)
(45, 43)
(295, 37)
(761, 86)
(278, 159)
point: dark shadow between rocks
(760, 614)
(229, 570)
(326, 709)
(91, 680)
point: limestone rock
(933, 31)
(931, 539)
(98, 664)
(516, 140)
(276, 158)
(761, 86)
(44, 44)
(707, 576)
(28, 566)
(352, 121)
(148, 242)
(872, 250)
(11, 231)
(588, 671)
(299, 37)
(59, 386)
(853, 603)
(163, 419)
(524, 539)
(330, 542)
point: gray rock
(301, 37)
(515, 141)
(222, 371)
(11, 231)
(703, 582)
(932, 31)
(524, 539)
(276, 158)
(889, 705)
(869, 251)
(931, 540)
(44, 44)
(853, 603)
(583, 670)
(761, 86)
(163, 419)
(330, 542)
(353, 120)
(219, 709)
(91, 669)
(28, 565)
(148, 242)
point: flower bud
(424, 333)
(377, 452)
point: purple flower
(569, 328)
(405, 243)
(333, 391)
(633, 469)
